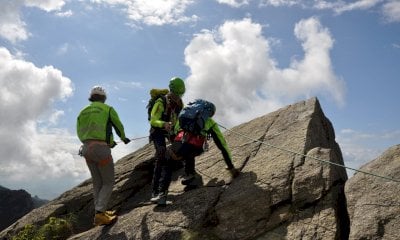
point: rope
(304, 155)
(134, 139)
(138, 138)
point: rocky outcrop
(13, 204)
(373, 202)
(280, 194)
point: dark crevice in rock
(244, 163)
(342, 214)
(262, 138)
(336, 186)
(280, 204)
(381, 227)
(210, 220)
(292, 174)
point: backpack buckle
(185, 137)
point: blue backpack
(193, 117)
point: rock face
(374, 203)
(13, 204)
(280, 194)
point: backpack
(193, 117)
(155, 94)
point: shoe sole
(105, 224)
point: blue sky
(249, 57)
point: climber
(163, 120)
(94, 129)
(186, 146)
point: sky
(249, 57)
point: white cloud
(12, 27)
(63, 49)
(234, 3)
(358, 5)
(233, 68)
(358, 147)
(47, 5)
(123, 85)
(278, 3)
(338, 6)
(391, 11)
(342, 6)
(154, 12)
(131, 85)
(26, 96)
(55, 116)
(68, 13)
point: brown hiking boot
(111, 212)
(104, 219)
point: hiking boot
(154, 197)
(187, 179)
(104, 219)
(162, 201)
(111, 212)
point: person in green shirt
(186, 146)
(94, 129)
(163, 121)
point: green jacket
(158, 116)
(211, 127)
(95, 122)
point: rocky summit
(288, 189)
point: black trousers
(183, 151)
(188, 152)
(159, 140)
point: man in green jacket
(163, 122)
(186, 146)
(94, 129)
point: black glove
(113, 144)
(126, 140)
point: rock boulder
(284, 190)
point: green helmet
(177, 86)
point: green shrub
(55, 229)
(28, 233)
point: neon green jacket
(95, 122)
(212, 128)
(158, 116)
